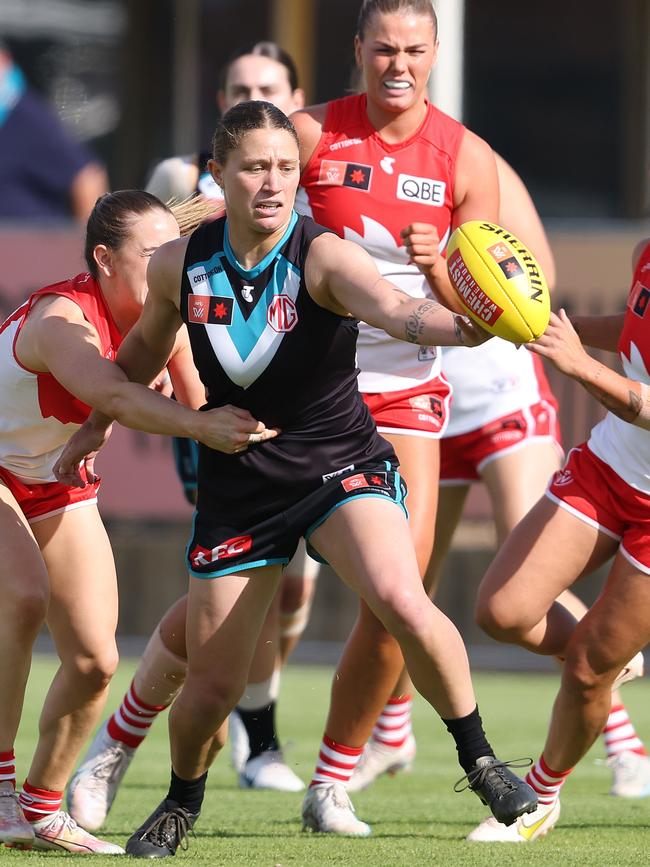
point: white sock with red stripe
(336, 763)
(546, 782)
(132, 720)
(38, 804)
(620, 735)
(8, 767)
(393, 727)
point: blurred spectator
(44, 173)
(259, 71)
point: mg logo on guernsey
(230, 548)
(282, 314)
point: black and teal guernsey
(260, 342)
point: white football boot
(239, 746)
(60, 832)
(327, 809)
(527, 828)
(633, 669)
(95, 783)
(631, 775)
(268, 770)
(378, 759)
(14, 827)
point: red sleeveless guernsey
(626, 447)
(39, 415)
(367, 191)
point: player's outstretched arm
(603, 332)
(599, 332)
(626, 398)
(342, 277)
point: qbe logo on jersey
(282, 314)
(427, 191)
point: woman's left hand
(423, 246)
(81, 450)
(561, 345)
(468, 332)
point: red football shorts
(589, 489)
(421, 411)
(44, 499)
(463, 457)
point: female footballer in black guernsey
(268, 299)
(287, 360)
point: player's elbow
(115, 401)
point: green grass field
(416, 818)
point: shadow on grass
(600, 826)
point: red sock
(8, 768)
(393, 727)
(336, 763)
(546, 782)
(132, 720)
(620, 735)
(39, 803)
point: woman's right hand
(231, 430)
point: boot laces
(477, 776)
(170, 829)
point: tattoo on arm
(637, 409)
(414, 326)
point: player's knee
(404, 612)
(586, 672)
(499, 621)
(25, 608)
(296, 593)
(94, 671)
(214, 699)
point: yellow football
(498, 281)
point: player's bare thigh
(615, 628)
(451, 503)
(545, 554)
(23, 575)
(83, 609)
(517, 479)
(224, 618)
(368, 544)
(419, 459)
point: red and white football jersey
(38, 414)
(367, 191)
(623, 446)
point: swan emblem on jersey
(634, 365)
(246, 345)
(381, 244)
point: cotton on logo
(282, 314)
(230, 548)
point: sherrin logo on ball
(498, 281)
